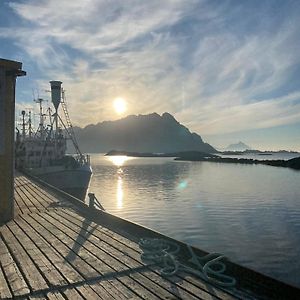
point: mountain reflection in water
(250, 213)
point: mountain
(240, 146)
(142, 133)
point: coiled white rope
(208, 267)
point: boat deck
(55, 249)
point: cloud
(200, 61)
(262, 114)
(107, 36)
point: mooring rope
(208, 267)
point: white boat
(43, 153)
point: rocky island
(293, 163)
(188, 155)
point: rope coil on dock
(208, 267)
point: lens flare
(182, 185)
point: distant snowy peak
(240, 146)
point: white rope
(208, 267)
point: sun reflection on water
(119, 160)
(120, 192)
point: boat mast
(29, 125)
(23, 124)
(69, 128)
(41, 125)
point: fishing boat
(42, 153)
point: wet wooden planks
(52, 251)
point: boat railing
(83, 159)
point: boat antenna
(29, 124)
(46, 142)
(33, 94)
(41, 125)
(23, 123)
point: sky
(227, 70)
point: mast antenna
(41, 128)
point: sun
(120, 105)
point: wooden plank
(22, 204)
(37, 202)
(78, 220)
(4, 288)
(184, 289)
(21, 179)
(29, 205)
(43, 192)
(46, 268)
(151, 280)
(41, 201)
(17, 210)
(122, 253)
(137, 288)
(55, 296)
(40, 196)
(222, 293)
(25, 263)
(72, 294)
(115, 289)
(100, 249)
(57, 240)
(18, 185)
(37, 297)
(118, 261)
(87, 292)
(14, 277)
(100, 260)
(205, 288)
(101, 292)
(65, 268)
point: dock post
(91, 200)
(9, 70)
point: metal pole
(23, 124)
(9, 70)
(92, 200)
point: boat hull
(72, 181)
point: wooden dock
(58, 248)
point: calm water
(251, 213)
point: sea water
(250, 213)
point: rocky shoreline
(183, 154)
(293, 163)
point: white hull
(72, 181)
